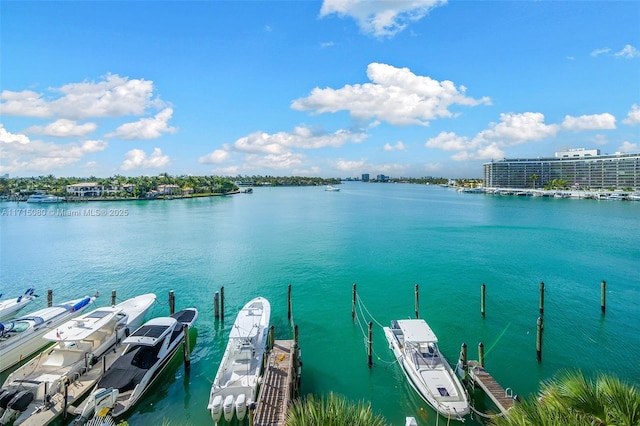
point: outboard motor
(5, 398)
(17, 405)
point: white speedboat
(37, 388)
(332, 188)
(415, 346)
(44, 198)
(147, 352)
(234, 387)
(22, 337)
(8, 308)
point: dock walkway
(280, 384)
(503, 399)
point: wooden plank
(273, 399)
(490, 386)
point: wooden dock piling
(289, 303)
(216, 306)
(222, 303)
(113, 298)
(49, 298)
(603, 296)
(541, 298)
(483, 293)
(481, 354)
(539, 330)
(417, 302)
(172, 302)
(369, 345)
(353, 303)
(186, 347)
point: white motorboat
(36, 389)
(44, 198)
(147, 352)
(8, 308)
(332, 188)
(234, 388)
(415, 346)
(22, 337)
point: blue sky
(334, 88)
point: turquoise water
(386, 238)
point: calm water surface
(386, 238)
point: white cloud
(515, 129)
(380, 18)
(350, 166)
(301, 137)
(396, 95)
(589, 122)
(326, 44)
(146, 128)
(398, 146)
(114, 96)
(627, 52)
(27, 156)
(11, 138)
(216, 157)
(449, 141)
(63, 128)
(281, 161)
(633, 117)
(601, 51)
(137, 159)
(629, 147)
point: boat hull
(235, 385)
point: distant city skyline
(333, 88)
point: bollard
(483, 294)
(481, 354)
(541, 298)
(113, 298)
(49, 298)
(369, 348)
(603, 296)
(216, 306)
(222, 303)
(353, 303)
(539, 340)
(417, 303)
(172, 302)
(186, 347)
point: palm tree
(333, 410)
(534, 177)
(571, 400)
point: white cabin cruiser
(38, 385)
(234, 388)
(415, 347)
(147, 352)
(22, 336)
(8, 308)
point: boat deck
(279, 386)
(499, 396)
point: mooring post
(481, 354)
(49, 298)
(369, 348)
(289, 303)
(295, 334)
(172, 302)
(417, 303)
(272, 337)
(483, 294)
(463, 357)
(353, 303)
(603, 296)
(222, 303)
(539, 340)
(216, 306)
(186, 347)
(113, 298)
(541, 298)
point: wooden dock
(280, 384)
(503, 399)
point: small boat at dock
(332, 188)
(34, 394)
(8, 308)
(234, 388)
(22, 337)
(147, 352)
(44, 198)
(415, 347)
